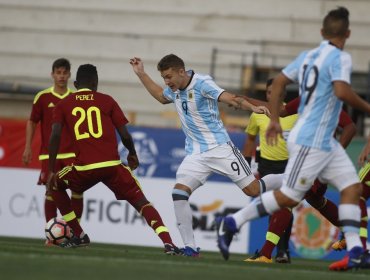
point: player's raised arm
(348, 129)
(283, 109)
(239, 102)
(345, 93)
(153, 88)
(277, 96)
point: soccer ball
(57, 231)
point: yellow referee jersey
(258, 124)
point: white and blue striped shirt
(197, 107)
(315, 71)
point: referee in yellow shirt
(271, 160)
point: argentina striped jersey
(197, 107)
(315, 71)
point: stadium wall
(107, 33)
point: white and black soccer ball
(57, 231)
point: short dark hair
(86, 74)
(61, 62)
(269, 82)
(336, 23)
(170, 61)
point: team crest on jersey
(190, 94)
(302, 181)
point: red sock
(63, 202)
(327, 208)
(279, 221)
(77, 203)
(363, 224)
(50, 208)
(330, 212)
(154, 220)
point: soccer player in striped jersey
(280, 220)
(323, 74)
(42, 109)
(92, 118)
(207, 145)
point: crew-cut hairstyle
(61, 62)
(170, 61)
(336, 23)
(86, 74)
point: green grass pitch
(22, 258)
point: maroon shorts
(117, 178)
(59, 164)
(317, 189)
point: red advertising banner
(12, 141)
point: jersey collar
(84, 89)
(61, 96)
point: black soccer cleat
(170, 249)
(76, 242)
(365, 260)
(283, 257)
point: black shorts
(266, 166)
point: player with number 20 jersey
(94, 133)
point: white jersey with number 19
(319, 108)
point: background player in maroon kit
(92, 119)
(42, 109)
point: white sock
(264, 205)
(271, 182)
(350, 217)
(184, 220)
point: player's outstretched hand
(273, 132)
(137, 65)
(132, 161)
(261, 110)
(363, 157)
(27, 156)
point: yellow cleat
(339, 245)
(258, 258)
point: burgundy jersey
(91, 119)
(292, 108)
(42, 111)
